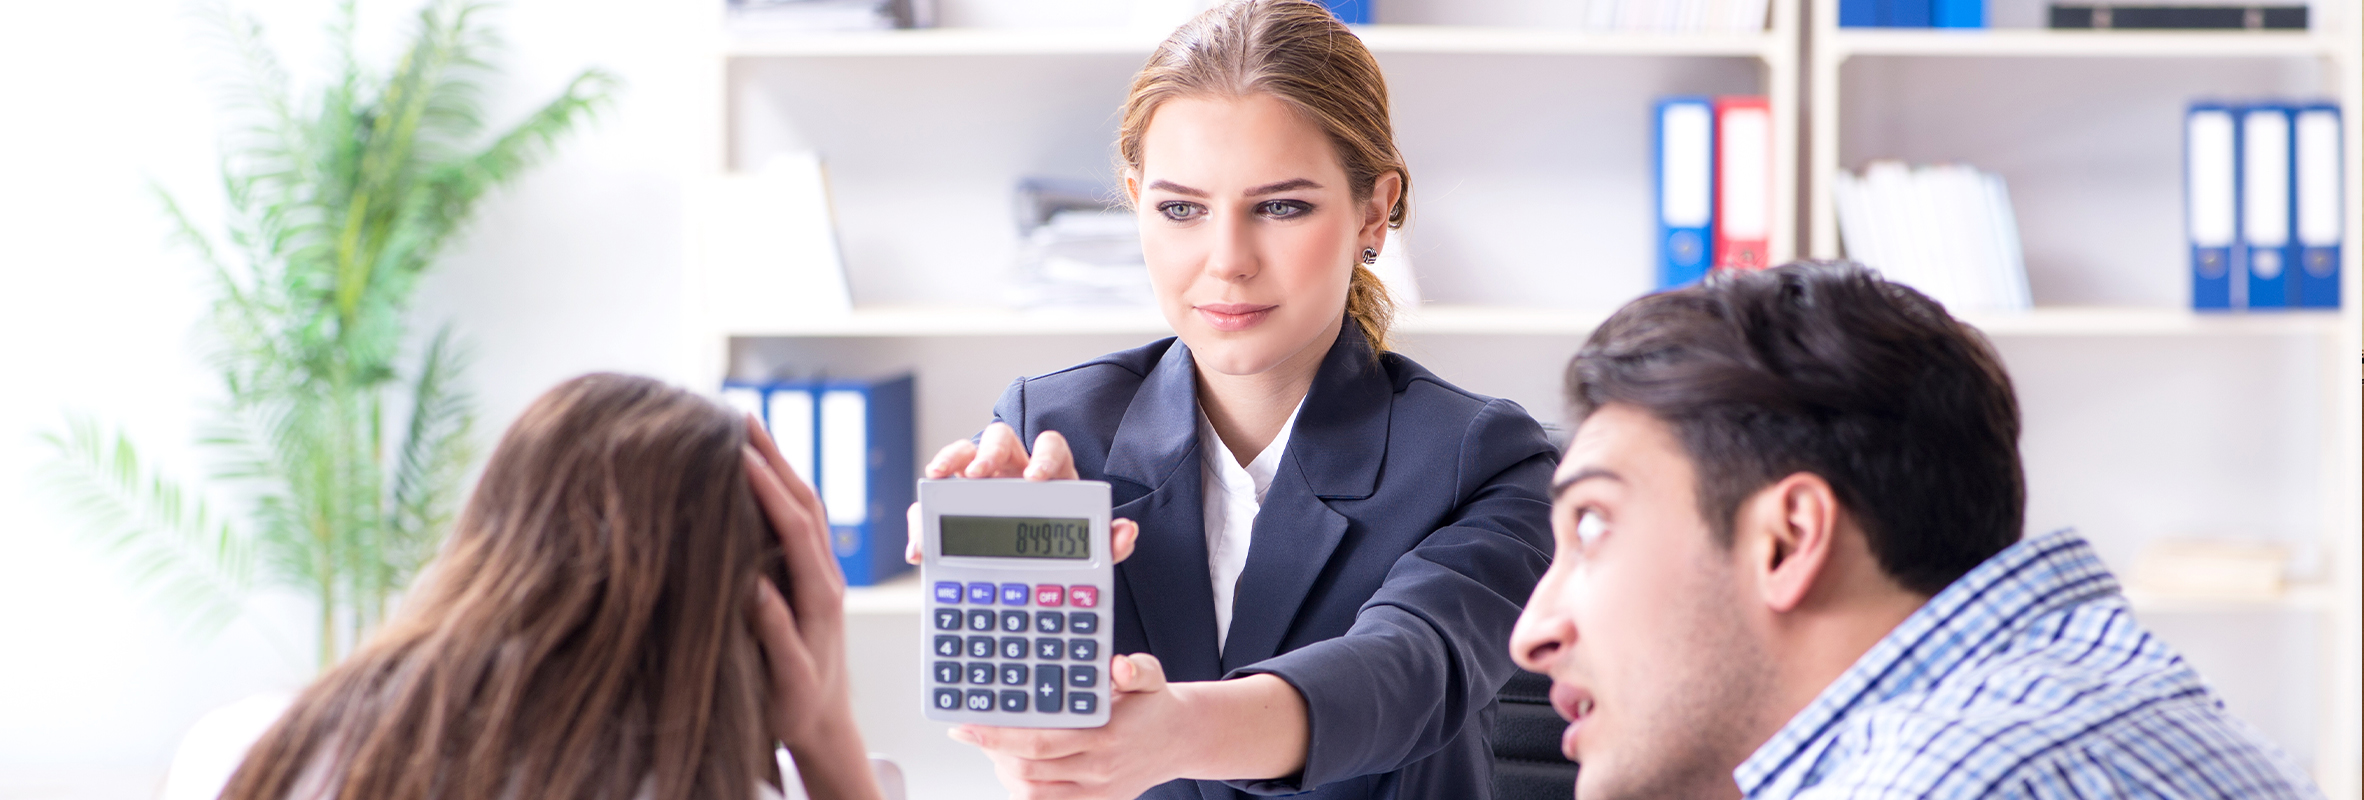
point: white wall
(576, 268)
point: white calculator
(1017, 575)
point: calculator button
(1050, 622)
(1047, 691)
(1082, 702)
(948, 619)
(1013, 647)
(1083, 649)
(1083, 677)
(980, 672)
(947, 672)
(947, 699)
(948, 646)
(980, 620)
(980, 647)
(1013, 594)
(1013, 622)
(981, 593)
(1013, 700)
(1048, 649)
(947, 592)
(980, 700)
(1050, 594)
(1083, 596)
(1013, 674)
(1084, 623)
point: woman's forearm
(1251, 728)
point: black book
(2108, 16)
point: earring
(1370, 256)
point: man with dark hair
(1789, 564)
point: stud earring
(1370, 256)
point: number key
(980, 672)
(947, 671)
(980, 647)
(947, 699)
(948, 646)
(1013, 647)
(980, 620)
(948, 619)
(980, 700)
(1013, 674)
(1013, 622)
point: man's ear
(1788, 532)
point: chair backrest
(1527, 760)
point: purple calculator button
(947, 592)
(1016, 594)
(981, 593)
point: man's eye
(1179, 212)
(1589, 528)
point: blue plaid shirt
(2028, 677)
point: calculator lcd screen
(1017, 537)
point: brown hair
(1826, 368)
(1297, 52)
(584, 634)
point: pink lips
(1574, 704)
(1233, 316)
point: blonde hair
(1296, 52)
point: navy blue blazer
(1407, 524)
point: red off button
(1049, 594)
(1084, 596)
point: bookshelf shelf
(2299, 597)
(2098, 44)
(1382, 39)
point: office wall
(575, 268)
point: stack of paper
(1675, 16)
(1946, 230)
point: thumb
(1136, 673)
(911, 530)
(1122, 533)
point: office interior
(2149, 425)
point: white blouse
(1233, 495)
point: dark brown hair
(1826, 368)
(582, 635)
(1297, 52)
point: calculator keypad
(1054, 671)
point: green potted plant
(342, 440)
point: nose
(1233, 257)
(1545, 631)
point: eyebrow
(1269, 188)
(1582, 475)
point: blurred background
(787, 194)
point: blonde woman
(1329, 544)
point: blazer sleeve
(1431, 647)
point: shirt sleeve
(1431, 647)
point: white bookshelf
(1529, 146)
(2086, 128)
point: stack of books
(1946, 230)
(814, 16)
(1912, 13)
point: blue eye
(1283, 209)
(1177, 211)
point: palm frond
(173, 544)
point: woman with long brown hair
(606, 621)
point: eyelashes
(1179, 211)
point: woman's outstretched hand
(998, 454)
(803, 635)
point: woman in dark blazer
(1377, 567)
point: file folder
(1686, 189)
(1744, 181)
(746, 398)
(2266, 249)
(1908, 13)
(2212, 212)
(867, 476)
(790, 416)
(2317, 169)
(1859, 13)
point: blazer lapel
(1334, 453)
(1165, 581)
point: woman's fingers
(1051, 460)
(804, 540)
(951, 460)
(999, 454)
(1122, 533)
(798, 489)
(911, 537)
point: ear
(1384, 192)
(1788, 532)
(1133, 188)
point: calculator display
(1017, 537)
